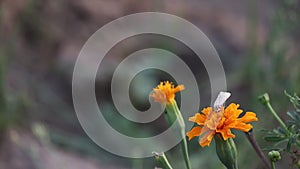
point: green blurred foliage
(274, 67)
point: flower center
(214, 119)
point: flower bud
(264, 99)
(274, 156)
(226, 151)
(162, 160)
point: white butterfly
(221, 99)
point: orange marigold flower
(210, 122)
(165, 92)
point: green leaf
(295, 100)
(291, 141)
(280, 131)
(294, 115)
(277, 131)
(274, 138)
(293, 128)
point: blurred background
(257, 41)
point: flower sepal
(226, 151)
(173, 113)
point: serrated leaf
(295, 100)
(293, 128)
(274, 138)
(264, 130)
(281, 143)
(291, 141)
(280, 131)
(294, 115)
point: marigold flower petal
(206, 139)
(226, 133)
(195, 131)
(243, 127)
(232, 111)
(248, 117)
(198, 118)
(206, 110)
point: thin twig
(251, 138)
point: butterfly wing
(221, 99)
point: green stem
(265, 99)
(273, 165)
(162, 160)
(173, 113)
(184, 149)
(276, 116)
